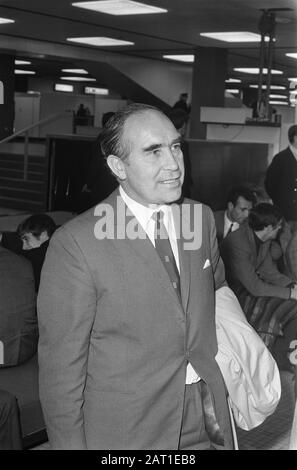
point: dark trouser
(193, 432)
(10, 429)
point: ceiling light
(63, 87)
(180, 57)
(24, 72)
(79, 79)
(232, 90)
(96, 91)
(284, 97)
(120, 7)
(272, 87)
(22, 62)
(6, 20)
(235, 36)
(255, 70)
(82, 71)
(292, 54)
(279, 102)
(101, 41)
(233, 80)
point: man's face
(153, 173)
(240, 211)
(31, 241)
(271, 232)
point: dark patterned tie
(164, 250)
(230, 229)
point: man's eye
(176, 148)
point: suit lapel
(141, 245)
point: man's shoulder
(85, 222)
(15, 260)
(283, 154)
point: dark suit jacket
(257, 272)
(18, 321)
(115, 338)
(219, 217)
(281, 183)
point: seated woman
(267, 297)
(31, 240)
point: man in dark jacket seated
(31, 240)
(18, 319)
(267, 297)
(10, 429)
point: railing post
(26, 150)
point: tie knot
(158, 217)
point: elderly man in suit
(127, 307)
(281, 179)
(240, 200)
(267, 296)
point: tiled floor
(273, 434)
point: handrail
(41, 122)
(26, 130)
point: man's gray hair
(111, 137)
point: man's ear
(43, 236)
(117, 166)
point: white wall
(163, 79)
(27, 111)
(243, 133)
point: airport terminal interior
(224, 72)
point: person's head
(35, 230)
(266, 220)
(240, 201)
(292, 135)
(142, 148)
(106, 117)
(184, 97)
(179, 119)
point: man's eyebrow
(153, 147)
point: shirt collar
(144, 213)
(228, 222)
(293, 150)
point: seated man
(290, 258)
(18, 319)
(10, 428)
(240, 201)
(31, 240)
(267, 297)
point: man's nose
(171, 161)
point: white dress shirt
(228, 223)
(144, 216)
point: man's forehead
(148, 119)
(243, 203)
